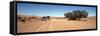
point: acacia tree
(84, 14)
(76, 14)
(67, 15)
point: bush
(48, 17)
(23, 20)
(45, 18)
(19, 17)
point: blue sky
(50, 10)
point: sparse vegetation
(48, 17)
(19, 17)
(38, 23)
(45, 18)
(23, 20)
(33, 17)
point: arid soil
(54, 24)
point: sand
(38, 25)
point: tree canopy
(76, 14)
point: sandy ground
(35, 25)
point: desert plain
(36, 24)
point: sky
(50, 10)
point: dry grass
(38, 25)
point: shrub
(23, 20)
(48, 17)
(44, 18)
